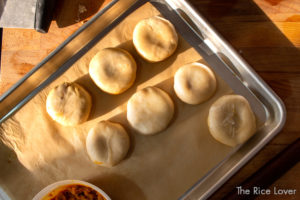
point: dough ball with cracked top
(113, 70)
(107, 143)
(231, 120)
(150, 110)
(155, 38)
(69, 104)
(194, 83)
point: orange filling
(74, 192)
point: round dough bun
(107, 143)
(150, 110)
(155, 38)
(69, 104)
(231, 120)
(194, 83)
(113, 70)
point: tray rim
(46, 59)
(278, 102)
(250, 154)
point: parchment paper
(162, 166)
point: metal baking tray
(220, 56)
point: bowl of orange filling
(71, 190)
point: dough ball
(194, 83)
(107, 143)
(155, 38)
(69, 104)
(150, 110)
(113, 70)
(231, 120)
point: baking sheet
(162, 166)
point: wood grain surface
(265, 32)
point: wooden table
(265, 32)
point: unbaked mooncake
(194, 83)
(155, 38)
(150, 110)
(113, 70)
(69, 104)
(231, 120)
(107, 143)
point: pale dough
(113, 70)
(194, 83)
(69, 104)
(231, 120)
(150, 110)
(155, 38)
(107, 143)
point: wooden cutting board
(265, 32)
(23, 49)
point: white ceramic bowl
(58, 184)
